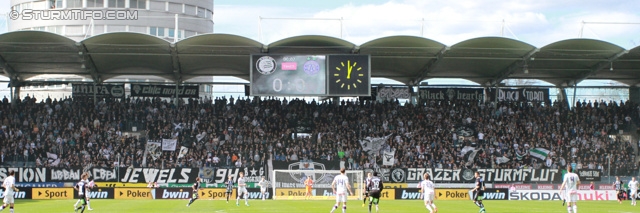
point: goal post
(289, 184)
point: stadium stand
(242, 132)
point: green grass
(323, 206)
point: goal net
(289, 184)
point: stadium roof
(408, 59)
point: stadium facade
(154, 17)
(83, 20)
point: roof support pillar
(87, 62)
(175, 62)
(599, 66)
(16, 96)
(14, 81)
(177, 71)
(8, 70)
(424, 72)
(634, 94)
(95, 98)
(177, 94)
(515, 66)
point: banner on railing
(167, 91)
(414, 175)
(393, 93)
(98, 174)
(101, 91)
(523, 94)
(251, 174)
(395, 175)
(451, 94)
(589, 174)
(146, 175)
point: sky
(537, 22)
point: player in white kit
(9, 185)
(571, 181)
(633, 188)
(428, 193)
(242, 190)
(263, 187)
(340, 186)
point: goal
(289, 184)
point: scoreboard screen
(283, 75)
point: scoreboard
(310, 75)
(288, 75)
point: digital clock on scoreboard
(281, 75)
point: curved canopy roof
(408, 59)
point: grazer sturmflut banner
(452, 94)
(101, 90)
(524, 94)
(168, 91)
(414, 175)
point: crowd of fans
(247, 132)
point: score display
(278, 75)
(310, 75)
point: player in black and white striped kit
(229, 184)
(375, 187)
(196, 188)
(81, 187)
(366, 188)
(618, 185)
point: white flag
(52, 156)
(465, 150)
(53, 159)
(373, 145)
(201, 136)
(153, 149)
(388, 157)
(183, 151)
(169, 144)
(55, 162)
(501, 160)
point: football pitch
(319, 206)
